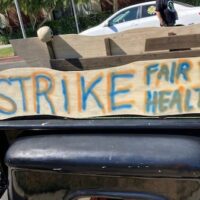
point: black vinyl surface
(94, 124)
(141, 155)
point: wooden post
(51, 50)
(108, 46)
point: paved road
(12, 62)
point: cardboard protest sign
(147, 88)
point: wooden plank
(173, 42)
(33, 51)
(144, 88)
(77, 46)
(51, 50)
(108, 46)
(113, 61)
(130, 42)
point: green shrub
(4, 39)
(62, 26)
(17, 34)
(65, 25)
(92, 20)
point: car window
(148, 10)
(125, 16)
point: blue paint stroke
(39, 93)
(151, 101)
(183, 69)
(89, 91)
(65, 94)
(115, 92)
(21, 80)
(12, 102)
(150, 70)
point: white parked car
(142, 15)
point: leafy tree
(4, 5)
(34, 9)
(4, 22)
(37, 8)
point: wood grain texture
(144, 88)
(173, 42)
(33, 51)
(114, 61)
(76, 46)
(107, 46)
(130, 42)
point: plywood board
(33, 51)
(77, 46)
(173, 42)
(130, 42)
(114, 61)
(147, 88)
